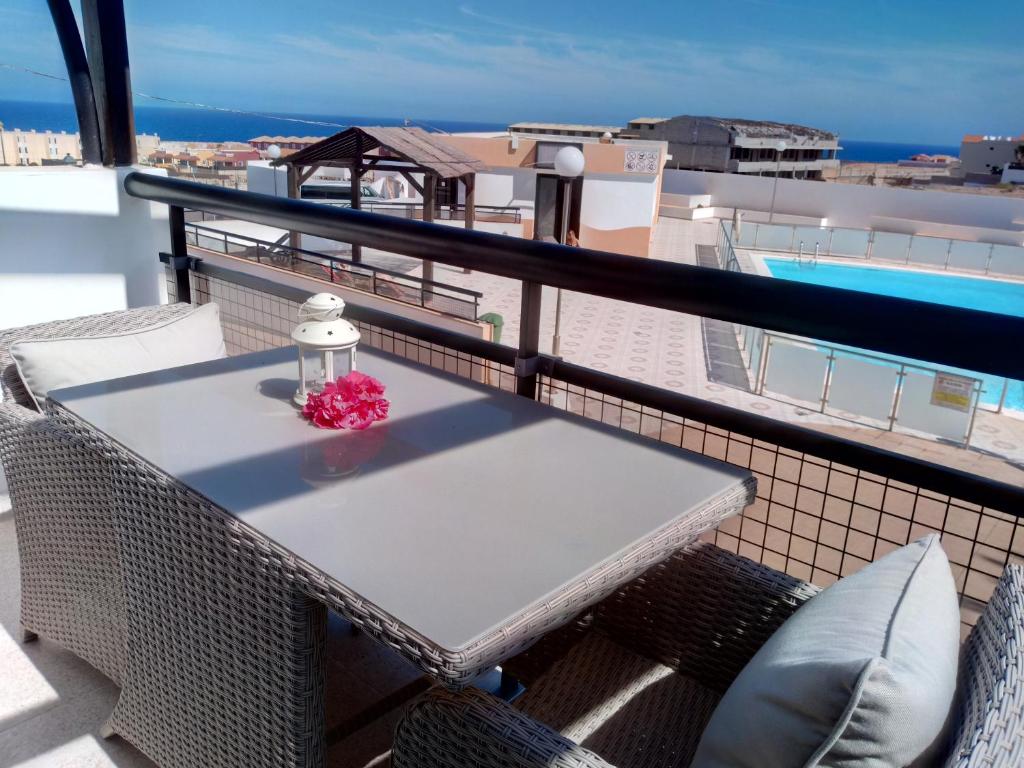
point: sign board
(641, 161)
(951, 391)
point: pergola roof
(429, 151)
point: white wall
(924, 212)
(618, 202)
(506, 187)
(73, 243)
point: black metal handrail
(871, 458)
(339, 260)
(963, 338)
(974, 340)
(444, 211)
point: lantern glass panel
(318, 369)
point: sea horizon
(200, 124)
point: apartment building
(988, 155)
(751, 147)
(18, 147)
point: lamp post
(568, 165)
(779, 149)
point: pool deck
(669, 350)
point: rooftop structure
(728, 145)
(284, 142)
(565, 129)
(988, 155)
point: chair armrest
(472, 729)
(704, 612)
(14, 415)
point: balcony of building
(619, 349)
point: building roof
(647, 120)
(563, 127)
(413, 145)
(762, 129)
(289, 139)
(975, 138)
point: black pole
(179, 260)
(81, 81)
(106, 43)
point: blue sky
(898, 71)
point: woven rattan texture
(621, 707)
(224, 652)
(990, 723)
(71, 589)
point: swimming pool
(952, 290)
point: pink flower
(354, 401)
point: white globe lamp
(569, 162)
(273, 151)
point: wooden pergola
(404, 149)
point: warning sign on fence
(951, 391)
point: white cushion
(47, 364)
(863, 674)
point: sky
(909, 70)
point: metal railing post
(871, 245)
(179, 260)
(831, 234)
(762, 368)
(828, 378)
(896, 397)
(988, 260)
(949, 254)
(910, 245)
(529, 341)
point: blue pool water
(952, 290)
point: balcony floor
(52, 704)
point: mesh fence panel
(813, 518)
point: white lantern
(327, 344)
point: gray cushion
(46, 364)
(863, 674)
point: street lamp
(568, 165)
(779, 149)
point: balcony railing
(441, 297)
(826, 505)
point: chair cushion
(630, 710)
(863, 674)
(47, 364)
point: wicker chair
(636, 682)
(70, 576)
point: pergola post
(356, 174)
(469, 181)
(293, 192)
(356, 195)
(429, 196)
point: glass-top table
(458, 531)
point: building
(19, 147)
(33, 147)
(988, 155)
(564, 129)
(263, 143)
(749, 147)
(612, 206)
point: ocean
(193, 124)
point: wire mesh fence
(813, 518)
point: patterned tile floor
(667, 349)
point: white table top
(467, 506)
